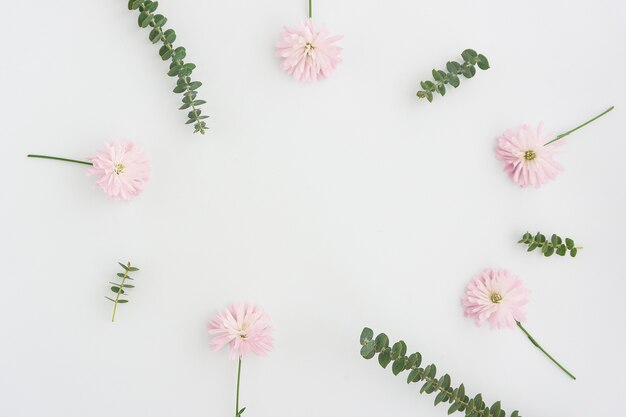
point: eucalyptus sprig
(178, 68)
(118, 289)
(549, 247)
(454, 69)
(456, 397)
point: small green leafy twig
(550, 247)
(456, 397)
(118, 289)
(178, 68)
(454, 69)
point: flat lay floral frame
(122, 169)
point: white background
(333, 205)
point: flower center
(496, 298)
(308, 49)
(243, 332)
(530, 155)
(119, 168)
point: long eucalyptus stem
(456, 397)
(562, 135)
(59, 159)
(178, 68)
(534, 342)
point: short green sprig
(549, 247)
(178, 68)
(456, 397)
(118, 289)
(454, 69)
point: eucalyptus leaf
(154, 36)
(366, 335)
(482, 62)
(369, 350)
(170, 36)
(398, 365)
(160, 20)
(151, 6)
(453, 80)
(382, 341)
(384, 358)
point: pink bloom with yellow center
(526, 159)
(122, 169)
(308, 54)
(245, 328)
(496, 296)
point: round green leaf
(384, 358)
(366, 335)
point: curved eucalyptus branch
(178, 68)
(549, 247)
(456, 397)
(467, 69)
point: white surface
(335, 205)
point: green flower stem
(562, 135)
(310, 9)
(238, 380)
(59, 159)
(534, 342)
(117, 297)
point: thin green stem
(238, 380)
(310, 9)
(117, 297)
(59, 159)
(534, 342)
(562, 135)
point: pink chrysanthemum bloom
(245, 328)
(496, 296)
(308, 55)
(122, 169)
(525, 158)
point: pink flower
(307, 54)
(526, 159)
(496, 296)
(244, 327)
(122, 169)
